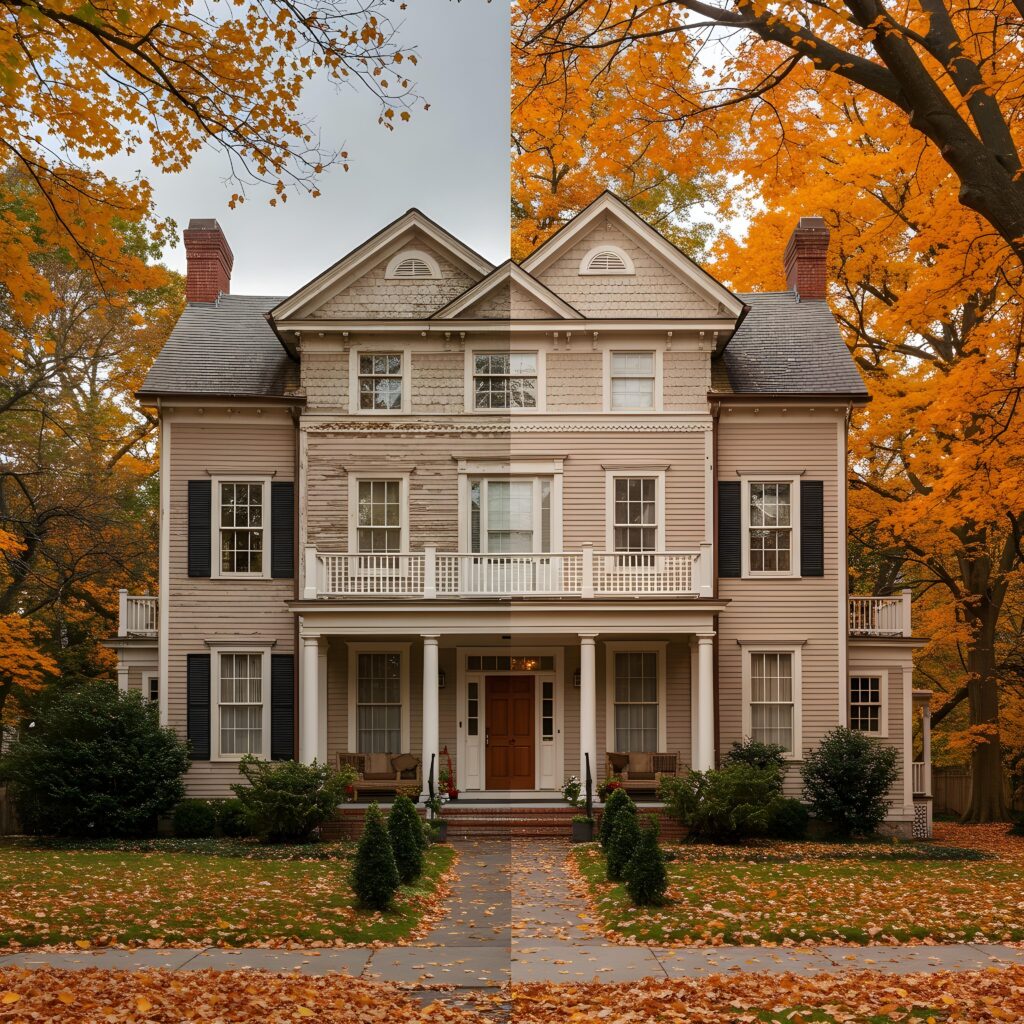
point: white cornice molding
(469, 429)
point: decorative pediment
(508, 293)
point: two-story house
(528, 514)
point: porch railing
(137, 614)
(585, 574)
(880, 616)
(919, 779)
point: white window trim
(796, 650)
(611, 476)
(882, 675)
(659, 376)
(147, 686)
(405, 254)
(353, 379)
(354, 650)
(501, 349)
(354, 480)
(215, 655)
(794, 514)
(585, 270)
(507, 470)
(611, 648)
(217, 572)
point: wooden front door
(510, 763)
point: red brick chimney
(806, 255)
(209, 260)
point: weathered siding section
(574, 381)
(653, 291)
(438, 382)
(325, 377)
(204, 610)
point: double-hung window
(241, 700)
(632, 381)
(636, 701)
(380, 381)
(242, 527)
(867, 704)
(770, 518)
(635, 517)
(773, 703)
(510, 515)
(379, 516)
(379, 702)
(505, 380)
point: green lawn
(818, 892)
(209, 892)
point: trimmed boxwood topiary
(95, 762)
(375, 874)
(623, 844)
(618, 799)
(406, 839)
(195, 819)
(646, 877)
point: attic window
(607, 260)
(412, 265)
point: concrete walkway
(511, 919)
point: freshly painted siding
(506, 301)
(202, 610)
(574, 381)
(687, 379)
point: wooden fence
(951, 791)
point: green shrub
(724, 805)
(95, 762)
(287, 801)
(625, 838)
(195, 819)
(767, 756)
(406, 839)
(847, 781)
(618, 800)
(788, 819)
(231, 818)
(646, 877)
(375, 874)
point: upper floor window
(380, 380)
(606, 260)
(379, 516)
(635, 513)
(242, 527)
(508, 516)
(632, 380)
(412, 264)
(770, 518)
(505, 380)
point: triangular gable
(411, 228)
(609, 213)
(508, 293)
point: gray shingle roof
(787, 347)
(223, 348)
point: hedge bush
(724, 805)
(287, 801)
(231, 819)
(375, 874)
(625, 838)
(406, 835)
(95, 763)
(788, 819)
(766, 756)
(618, 800)
(195, 819)
(847, 781)
(646, 877)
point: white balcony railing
(919, 778)
(880, 616)
(583, 574)
(137, 614)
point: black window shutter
(198, 706)
(199, 538)
(812, 528)
(282, 707)
(730, 560)
(282, 529)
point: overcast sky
(451, 161)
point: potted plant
(438, 826)
(446, 778)
(612, 783)
(582, 829)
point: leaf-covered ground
(967, 886)
(231, 894)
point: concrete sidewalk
(512, 918)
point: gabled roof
(608, 203)
(225, 349)
(787, 346)
(505, 276)
(353, 262)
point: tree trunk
(987, 795)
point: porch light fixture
(440, 679)
(577, 678)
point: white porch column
(122, 676)
(705, 754)
(431, 714)
(588, 707)
(309, 699)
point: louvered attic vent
(607, 262)
(412, 266)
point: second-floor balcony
(138, 615)
(880, 616)
(583, 574)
